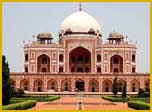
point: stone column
(100, 83)
(141, 82)
(45, 83)
(128, 85)
(86, 84)
(31, 84)
(59, 86)
(73, 85)
(18, 83)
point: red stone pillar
(59, 86)
(100, 83)
(45, 84)
(31, 84)
(72, 85)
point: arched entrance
(120, 85)
(93, 86)
(80, 60)
(52, 85)
(135, 85)
(107, 85)
(66, 85)
(116, 64)
(79, 85)
(25, 84)
(43, 63)
(38, 85)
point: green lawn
(132, 98)
(37, 98)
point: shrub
(124, 90)
(19, 92)
(20, 106)
(15, 101)
(114, 99)
(143, 93)
(139, 105)
(115, 86)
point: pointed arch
(52, 85)
(38, 85)
(25, 84)
(107, 85)
(116, 64)
(80, 59)
(93, 86)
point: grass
(119, 99)
(37, 98)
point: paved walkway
(88, 103)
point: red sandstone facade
(80, 60)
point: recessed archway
(38, 85)
(135, 85)
(52, 85)
(93, 86)
(107, 85)
(120, 85)
(66, 85)
(80, 59)
(43, 63)
(25, 84)
(116, 64)
(79, 85)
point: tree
(124, 90)
(6, 83)
(115, 86)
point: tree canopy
(115, 86)
(6, 83)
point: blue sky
(23, 20)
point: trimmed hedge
(16, 101)
(146, 100)
(139, 105)
(119, 99)
(20, 106)
(113, 99)
(37, 98)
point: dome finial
(80, 6)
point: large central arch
(80, 60)
(116, 64)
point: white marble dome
(80, 22)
